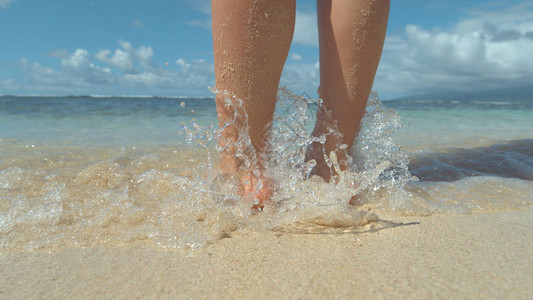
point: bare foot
(242, 150)
(247, 168)
(316, 151)
(355, 200)
(260, 189)
(320, 151)
(326, 166)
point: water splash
(378, 173)
(381, 162)
(60, 196)
(63, 195)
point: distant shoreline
(109, 96)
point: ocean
(84, 171)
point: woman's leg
(251, 41)
(351, 35)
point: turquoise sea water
(86, 171)
(133, 121)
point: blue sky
(163, 47)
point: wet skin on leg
(251, 41)
(351, 37)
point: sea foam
(60, 195)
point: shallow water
(81, 171)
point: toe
(263, 196)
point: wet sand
(482, 255)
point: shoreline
(479, 255)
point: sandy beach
(448, 256)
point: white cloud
(59, 53)
(483, 51)
(7, 83)
(184, 65)
(296, 57)
(301, 77)
(305, 30)
(76, 70)
(23, 63)
(123, 68)
(205, 24)
(203, 6)
(5, 3)
(194, 74)
(147, 79)
(120, 59)
(126, 58)
(137, 24)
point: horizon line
(102, 96)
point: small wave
(96, 96)
(511, 160)
(61, 196)
(492, 102)
(174, 197)
(380, 168)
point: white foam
(76, 195)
